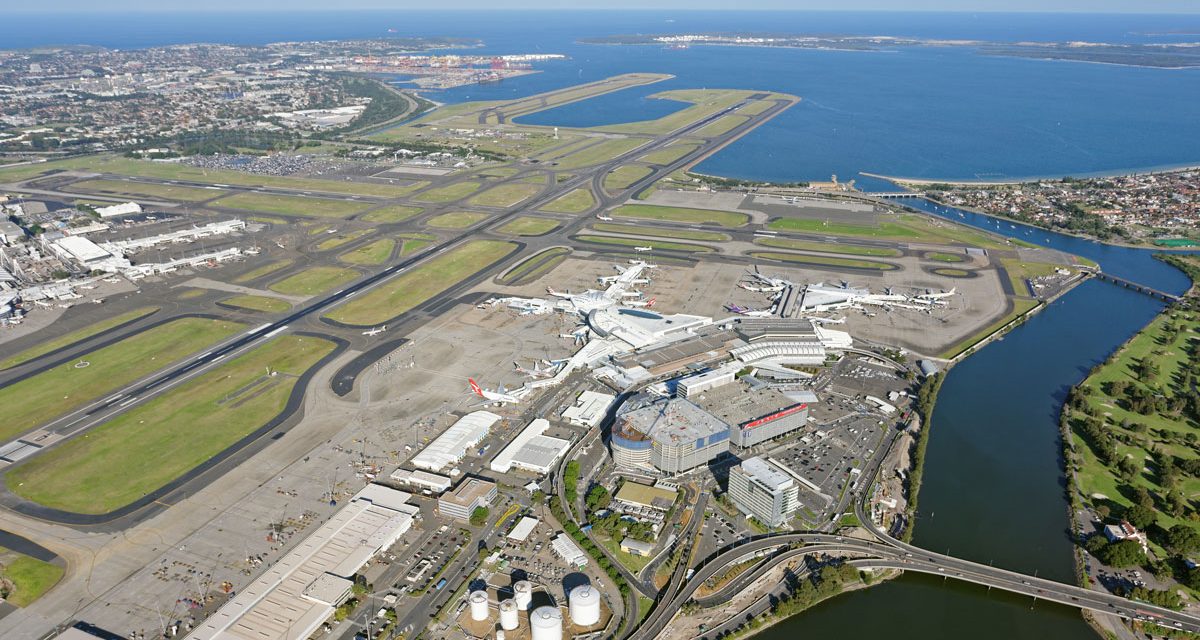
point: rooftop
(674, 421)
(767, 473)
(452, 445)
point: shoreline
(1114, 173)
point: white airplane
(641, 303)
(776, 284)
(758, 289)
(499, 396)
(537, 371)
(929, 295)
(750, 313)
(580, 335)
(376, 331)
(604, 218)
(643, 249)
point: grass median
(661, 232)
(507, 195)
(313, 280)
(394, 213)
(455, 220)
(577, 201)
(264, 304)
(420, 283)
(264, 270)
(370, 254)
(75, 336)
(448, 193)
(824, 261)
(653, 244)
(830, 247)
(145, 190)
(30, 577)
(624, 176)
(134, 454)
(681, 214)
(291, 205)
(37, 399)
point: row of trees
(588, 546)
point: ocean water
(930, 112)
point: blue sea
(928, 112)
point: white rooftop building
(568, 550)
(421, 480)
(452, 445)
(124, 209)
(589, 409)
(523, 528)
(531, 450)
(301, 590)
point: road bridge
(1130, 284)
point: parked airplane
(537, 371)
(643, 249)
(376, 331)
(580, 335)
(768, 281)
(641, 303)
(499, 396)
(750, 313)
(604, 218)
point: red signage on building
(782, 413)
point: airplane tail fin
(650, 303)
(475, 387)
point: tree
(479, 516)
(1140, 516)
(597, 498)
(1141, 496)
(1128, 469)
(1183, 539)
(1126, 553)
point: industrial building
(451, 446)
(671, 435)
(520, 532)
(123, 209)
(300, 591)
(87, 254)
(568, 550)
(421, 480)
(589, 409)
(469, 495)
(531, 450)
(765, 490)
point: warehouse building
(421, 480)
(671, 435)
(531, 450)
(300, 591)
(451, 446)
(568, 550)
(589, 409)
(123, 209)
(469, 495)
(765, 490)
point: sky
(1090, 6)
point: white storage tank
(584, 605)
(546, 623)
(508, 615)
(523, 593)
(500, 635)
(479, 605)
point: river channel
(993, 485)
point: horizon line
(580, 9)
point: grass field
(30, 577)
(420, 283)
(529, 226)
(177, 171)
(681, 214)
(720, 126)
(370, 254)
(600, 152)
(661, 232)
(73, 337)
(154, 443)
(64, 388)
(705, 102)
(146, 190)
(191, 294)
(448, 193)
(624, 176)
(1021, 306)
(756, 107)
(313, 280)
(314, 228)
(455, 220)
(824, 261)
(669, 154)
(535, 266)
(648, 242)
(939, 256)
(414, 242)
(393, 213)
(577, 201)
(507, 195)
(258, 303)
(1136, 435)
(342, 238)
(830, 247)
(291, 205)
(264, 270)
(268, 219)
